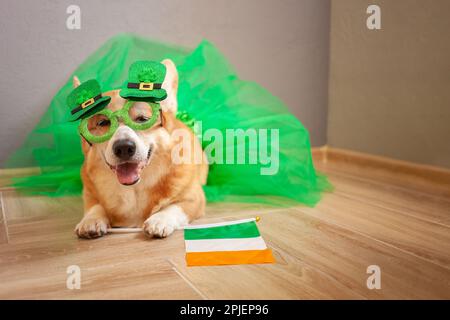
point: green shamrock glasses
(100, 127)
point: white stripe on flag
(219, 224)
(238, 244)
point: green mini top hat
(86, 99)
(145, 80)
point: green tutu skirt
(209, 92)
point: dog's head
(129, 151)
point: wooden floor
(371, 218)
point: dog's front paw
(158, 226)
(163, 223)
(91, 228)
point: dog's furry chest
(127, 206)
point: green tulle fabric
(210, 92)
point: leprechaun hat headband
(86, 99)
(145, 79)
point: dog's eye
(141, 119)
(103, 123)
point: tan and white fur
(166, 197)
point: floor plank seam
(377, 240)
(185, 279)
(5, 221)
(324, 273)
(354, 198)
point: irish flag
(233, 242)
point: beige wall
(389, 90)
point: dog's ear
(75, 81)
(170, 84)
(168, 121)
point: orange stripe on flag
(215, 258)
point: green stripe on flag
(241, 230)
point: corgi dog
(131, 180)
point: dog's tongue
(127, 173)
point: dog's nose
(124, 149)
